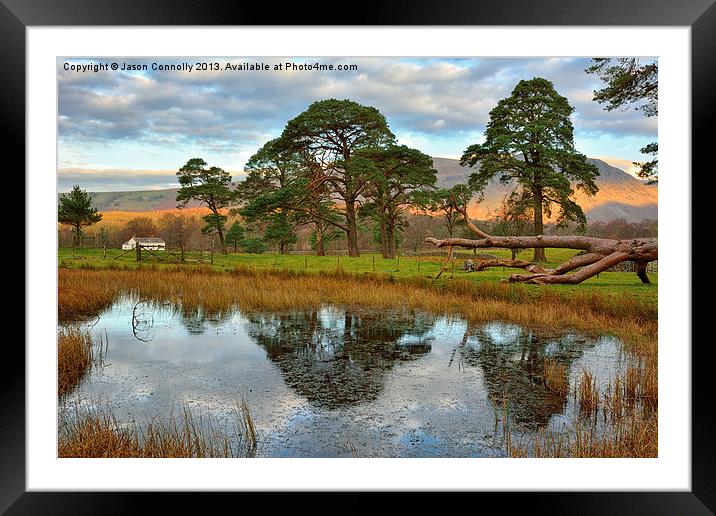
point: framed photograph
(268, 252)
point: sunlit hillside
(119, 218)
(620, 196)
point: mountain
(141, 200)
(620, 195)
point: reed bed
(621, 422)
(79, 301)
(100, 435)
(556, 378)
(83, 291)
(630, 438)
(75, 351)
(587, 394)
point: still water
(337, 382)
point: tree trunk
(539, 255)
(392, 251)
(320, 248)
(78, 233)
(641, 272)
(520, 264)
(602, 254)
(384, 247)
(221, 240)
(352, 230)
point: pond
(341, 382)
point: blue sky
(131, 130)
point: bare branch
(575, 278)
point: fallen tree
(599, 254)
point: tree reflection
(335, 357)
(199, 320)
(513, 363)
(339, 357)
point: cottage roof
(148, 240)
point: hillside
(144, 200)
(620, 195)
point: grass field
(427, 267)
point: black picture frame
(700, 15)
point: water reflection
(513, 363)
(395, 382)
(337, 357)
(340, 357)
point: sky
(133, 129)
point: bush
(253, 245)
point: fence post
(138, 247)
(373, 263)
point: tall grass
(556, 378)
(77, 301)
(630, 438)
(99, 435)
(84, 291)
(627, 427)
(587, 393)
(74, 357)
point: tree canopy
(210, 186)
(442, 202)
(398, 178)
(275, 185)
(529, 139)
(629, 82)
(76, 210)
(236, 234)
(326, 136)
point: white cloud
(227, 115)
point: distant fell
(620, 196)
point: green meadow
(405, 267)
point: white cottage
(152, 243)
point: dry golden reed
(86, 291)
(633, 437)
(623, 431)
(556, 377)
(74, 357)
(80, 300)
(588, 394)
(89, 435)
